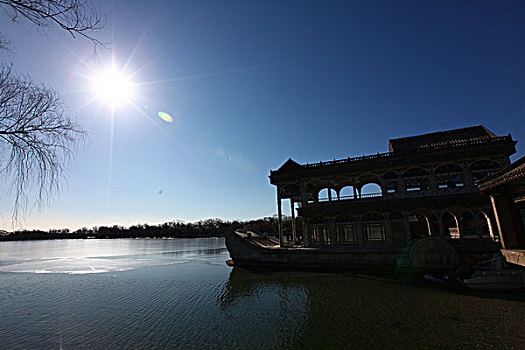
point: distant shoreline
(174, 229)
(50, 236)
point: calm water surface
(179, 294)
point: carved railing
(349, 160)
(435, 147)
(343, 198)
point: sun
(113, 87)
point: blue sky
(250, 84)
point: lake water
(180, 294)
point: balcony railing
(426, 148)
(343, 198)
(350, 160)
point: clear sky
(251, 83)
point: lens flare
(166, 117)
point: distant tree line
(172, 229)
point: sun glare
(113, 87)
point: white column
(292, 208)
(304, 203)
(280, 216)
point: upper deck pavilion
(442, 146)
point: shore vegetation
(172, 229)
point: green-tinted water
(179, 294)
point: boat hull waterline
(249, 250)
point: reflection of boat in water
(320, 310)
(247, 283)
(253, 250)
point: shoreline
(53, 236)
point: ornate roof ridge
(508, 174)
(440, 138)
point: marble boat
(250, 249)
(417, 205)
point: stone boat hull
(251, 252)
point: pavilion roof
(508, 175)
(449, 138)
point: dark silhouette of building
(424, 186)
(506, 189)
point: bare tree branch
(77, 17)
(4, 43)
(37, 138)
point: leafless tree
(37, 137)
(77, 17)
(4, 43)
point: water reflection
(268, 304)
(179, 294)
(334, 310)
(248, 284)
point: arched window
(312, 193)
(320, 230)
(418, 225)
(291, 191)
(396, 220)
(484, 165)
(374, 227)
(390, 179)
(416, 179)
(390, 175)
(346, 192)
(346, 229)
(485, 227)
(415, 172)
(327, 194)
(433, 223)
(391, 187)
(371, 190)
(290, 194)
(450, 225)
(468, 225)
(483, 168)
(449, 176)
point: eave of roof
(440, 138)
(513, 172)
